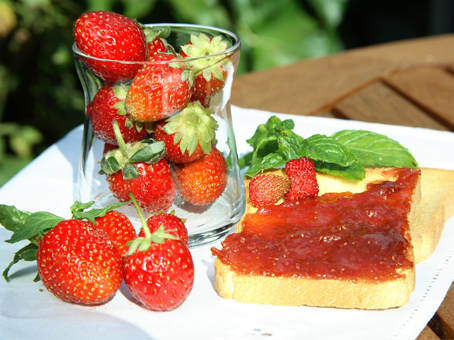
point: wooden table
(409, 83)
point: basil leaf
(374, 149)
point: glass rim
(230, 50)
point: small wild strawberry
(296, 166)
(267, 189)
(303, 181)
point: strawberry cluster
(84, 259)
(300, 182)
(155, 92)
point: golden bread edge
(342, 294)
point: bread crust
(426, 224)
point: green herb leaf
(345, 153)
(11, 218)
(78, 210)
(373, 149)
(36, 224)
(326, 149)
(27, 253)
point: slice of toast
(426, 219)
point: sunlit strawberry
(108, 35)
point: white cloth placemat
(28, 311)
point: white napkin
(28, 311)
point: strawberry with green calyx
(65, 251)
(108, 35)
(189, 134)
(158, 268)
(159, 90)
(114, 224)
(210, 73)
(108, 105)
(172, 224)
(157, 46)
(202, 181)
(140, 168)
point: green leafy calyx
(122, 159)
(193, 125)
(210, 61)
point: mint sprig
(346, 153)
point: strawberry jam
(345, 236)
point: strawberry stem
(119, 137)
(142, 218)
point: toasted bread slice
(426, 218)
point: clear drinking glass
(205, 223)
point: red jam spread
(345, 236)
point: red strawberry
(139, 168)
(296, 166)
(154, 188)
(156, 49)
(159, 91)
(187, 135)
(160, 277)
(118, 229)
(303, 181)
(172, 224)
(108, 35)
(158, 269)
(210, 73)
(202, 181)
(108, 105)
(267, 189)
(79, 264)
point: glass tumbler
(206, 221)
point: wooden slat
(443, 321)
(307, 87)
(380, 104)
(310, 86)
(430, 87)
(427, 334)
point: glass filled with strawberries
(158, 121)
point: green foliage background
(40, 95)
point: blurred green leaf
(330, 12)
